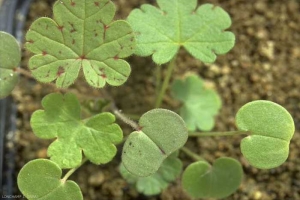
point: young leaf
(10, 57)
(41, 179)
(155, 183)
(200, 105)
(95, 137)
(81, 36)
(201, 180)
(162, 132)
(271, 127)
(179, 23)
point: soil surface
(264, 64)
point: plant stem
(23, 72)
(226, 133)
(118, 113)
(71, 171)
(165, 84)
(191, 154)
(125, 119)
(158, 79)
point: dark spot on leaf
(118, 79)
(140, 128)
(73, 41)
(60, 28)
(30, 41)
(106, 27)
(60, 71)
(73, 3)
(59, 52)
(82, 57)
(48, 73)
(103, 76)
(164, 13)
(130, 143)
(116, 57)
(132, 39)
(97, 3)
(124, 152)
(92, 82)
(44, 53)
(73, 28)
(96, 34)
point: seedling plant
(82, 36)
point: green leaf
(271, 127)
(201, 180)
(83, 36)
(179, 23)
(95, 137)
(10, 57)
(41, 180)
(200, 104)
(162, 133)
(155, 183)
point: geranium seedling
(41, 179)
(83, 36)
(155, 183)
(200, 104)
(201, 180)
(10, 57)
(162, 133)
(179, 23)
(94, 137)
(271, 128)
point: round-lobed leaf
(41, 179)
(83, 36)
(155, 183)
(10, 57)
(201, 180)
(200, 104)
(162, 133)
(271, 127)
(179, 23)
(94, 137)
